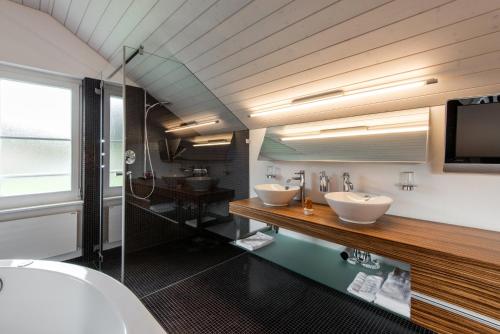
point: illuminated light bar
(358, 131)
(339, 95)
(191, 125)
(213, 143)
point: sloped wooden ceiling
(251, 53)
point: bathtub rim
(136, 318)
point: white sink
(275, 194)
(358, 208)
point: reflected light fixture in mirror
(340, 95)
(359, 131)
(213, 143)
(398, 136)
(191, 125)
(220, 139)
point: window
(38, 139)
(115, 141)
(113, 135)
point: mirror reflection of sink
(275, 194)
(358, 208)
(201, 183)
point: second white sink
(358, 208)
(275, 194)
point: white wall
(462, 199)
(33, 39)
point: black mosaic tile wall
(91, 167)
(143, 228)
(229, 166)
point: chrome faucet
(302, 183)
(348, 186)
(324, 182)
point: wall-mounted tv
(473, 135)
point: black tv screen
(478, 131)
(473, 130)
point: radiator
(39, 237)
(115, 224)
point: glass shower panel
(186, 159)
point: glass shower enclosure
(186, 158)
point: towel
(256, 241)
(365, 286)
(395, 293)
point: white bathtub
(47, 297)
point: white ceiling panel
(91, 19)
(46, 5)
(35, 4)
(75, 15)
(151, 22)
(60, 10)
(254, 53)
(111, 18)
(134, 14)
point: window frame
(110, 90)
(51, 80)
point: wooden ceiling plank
(75, 14)
(132, 17)
(158, 15)
(252, 14)
(60, 10)
(280, 20)
(189, 12)
(220, 12)
(339, 43)
(482, 83)
(90, 20)
(455, 33)
(111, 17)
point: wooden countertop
(459, 265)
(469, 244)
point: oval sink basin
(275, 194)
(201, 183)
(358, 208)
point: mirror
(399, 136)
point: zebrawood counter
(454, 264)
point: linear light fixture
(358, 131)
(191, 125)
(340, 95)
(213, 143)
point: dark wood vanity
(181, 196)
(452, 267)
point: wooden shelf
(459, 265)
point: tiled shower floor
(208, 286)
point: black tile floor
(208, 286)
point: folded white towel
(256, 241)
(393, 305)
(395, 293)
(365, 286)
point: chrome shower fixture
(147, 154)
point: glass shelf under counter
(322, 262)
